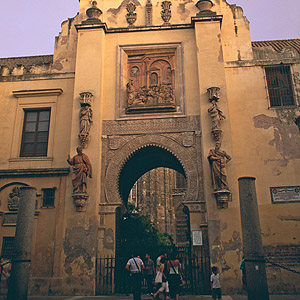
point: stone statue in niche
(150, 84)
(13, 199)
(85, 118)
(82, 169)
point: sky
(29, 27)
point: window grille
(35, 133)
(8, 251)
(280, 86)
(48, 197)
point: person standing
(215, 284)
(135, 266)
(2, 272)
(174, 270)
(149, 272)
(164, 284)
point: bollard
(257, 287)
(18, 285)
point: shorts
(216, 293)
(164, 287)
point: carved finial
(131, 15)
(149, 13)
(166, 12)
(93, 14)
(204, 7)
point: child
(215, 284)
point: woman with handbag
(174, 278)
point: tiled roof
(278, 45)
(12, 62)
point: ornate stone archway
(180, 138)
(123, 154)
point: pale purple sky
(28, 27)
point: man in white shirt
(135, 266)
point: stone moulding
(45, 172)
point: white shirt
(133, 265)
(215, 279)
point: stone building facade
(139, 85)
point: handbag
(158, 277)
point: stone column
(19, 280)
(257, 287)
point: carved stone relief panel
(150, 80)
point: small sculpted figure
(216, 115)
(86, 119)
(82, 169)
(218, 160)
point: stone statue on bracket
(218, 160)
(82, 169)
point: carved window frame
(33, 100)
(122, 77)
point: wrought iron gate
(113, 278)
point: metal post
(18, 286)
(257, 287)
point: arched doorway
(128, 157)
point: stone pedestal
(80, 200)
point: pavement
(147, 297)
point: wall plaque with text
(285, 194)
(197, 238)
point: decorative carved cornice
(170, 125)
(45, 172)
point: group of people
(166, 273)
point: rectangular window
(35, 133)
(8, 247)
(280, 86)
(48, 197)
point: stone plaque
(10, 218)
(197, 238)
(285, 194)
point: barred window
(48, 197)
(8, 247)
(280, 86)
(35, 133)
